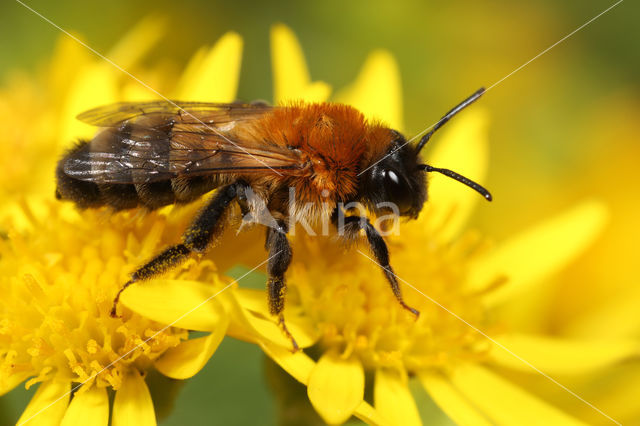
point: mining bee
(152, 154)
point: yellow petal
(456, 406)
(137, 42)
(252, 299)
(212, 74)
(317, 91)
(614, 318)
(93, 86)
(291, 78)
(132, 404)
(297, 364)
(505, 403)
(188, 358)
(464, 149)
(377, 91)
(186, 304)
(269, 329)
(535, 254)
(47, 405)
(254, 313)
(88, 408)
(616, 393)
(561, 356)
(96, 83)
(394, 400)
(369, 415)
(336, 387)
(69, 58)
(132, 91)
(8, 383)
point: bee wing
(184, 112)
(149, 142)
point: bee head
(399, 179)
(396, 183)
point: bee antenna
(462, 105)
(471, 184)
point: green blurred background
(563, 128)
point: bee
(152, 154)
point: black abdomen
(122, 196)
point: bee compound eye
(398, 190)
(392, 177)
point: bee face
(396, 180)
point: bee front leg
(279, 259)
(352, 225)
(197, 238)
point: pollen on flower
(57, 285)
(358, 315)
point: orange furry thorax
(337, 139)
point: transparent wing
(150, 141)
(184, 112)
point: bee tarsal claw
(285, 330)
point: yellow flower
(60, 268)
(340, 307)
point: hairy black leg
(352, 225)
(279, 260)
(196, 238)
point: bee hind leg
(279, 259)
(197, 238)
(169, 258)
(352, 225)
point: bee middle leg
(279, 260)
(351, 228)
(202, 231)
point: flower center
(58, 283)
(347, 295)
